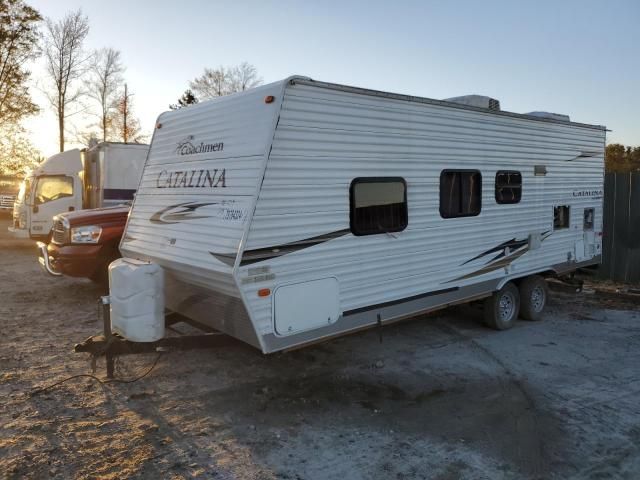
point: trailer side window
(378, 205)
(589, 214)
(508, 186)
(460, 193)
(560, 217)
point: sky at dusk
(580, 58)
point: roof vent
(476, 101)
(551, 116)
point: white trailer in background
(103, 175)
(302, 210)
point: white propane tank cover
(136, 290)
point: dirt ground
(441, 397)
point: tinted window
(460, 193)
(589, 214)
(378, 205)
(508, 186)
(560, 217)
(53, 187)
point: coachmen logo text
(192, 179)
(187, 147)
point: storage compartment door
(589, 233)
(306, 306)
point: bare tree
(212, 83)
(243, 77)
(225, 80)
(66, 62)
(106, 77)
(126, 126)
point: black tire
(533, 297)
(501, 309)
(101, 275)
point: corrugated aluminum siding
(326, 137)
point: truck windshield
(53, 187)
(24, 191)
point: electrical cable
(99, 380)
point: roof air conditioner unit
(476, 101)
(552, 116)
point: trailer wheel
(533, 297)
(501, 308)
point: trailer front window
(378, 205)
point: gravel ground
(441, 397)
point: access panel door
(591, 248)
(306, 306)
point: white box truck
(103, 175)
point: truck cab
(105, 174)
(53, 187)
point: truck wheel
(101, 275)
(501, 308)
(533, 297)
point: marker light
(269, 99)
(264, 292)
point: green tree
(619, 158)
(615, 158)
(633, 158)
(17, 154)
(187, 98)
(18, 46)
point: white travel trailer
(302, 210)
(103, 175)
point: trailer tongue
(110, 345)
